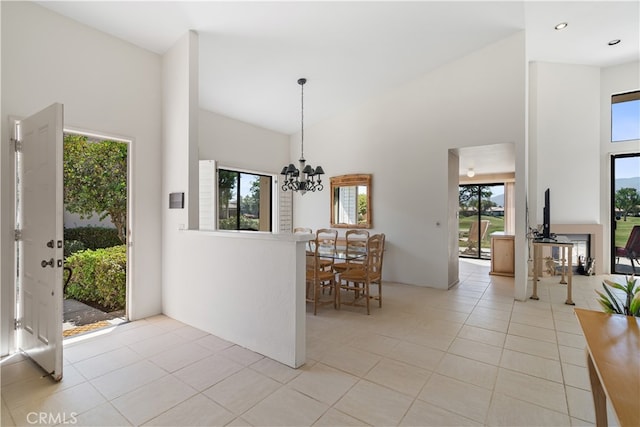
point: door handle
(44, 263)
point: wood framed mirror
(351, 201)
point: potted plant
(612, 304)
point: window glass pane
(244, 201)
(481, 213)
(625, 117)
(625, 209)
(227, 200)
(249, 202)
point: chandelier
(294, 179)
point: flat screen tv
(546, 216)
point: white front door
(40, 248)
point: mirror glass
(351, 201)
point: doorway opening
(625, 213)
(481, 214)
(96, 224)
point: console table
(613, 359)
(537, 264)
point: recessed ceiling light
(614, 42)
(561, 26)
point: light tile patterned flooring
(468, 356)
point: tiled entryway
(467, 356)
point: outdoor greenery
(250, 204)
(99, 277)
(93, 237)
(468, 203)
(610, 303)
(623, 230)
(468, 198)
(245, 223)
(95, 180)
(249, 209)
(362, 208)
(627, 201)
(226, 186)
(73, 246)
(496, 223)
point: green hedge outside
(93, 237)
(99, 277)
(73, 246)
(245, 223)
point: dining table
(338, 254)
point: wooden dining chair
(318, 279)
(304, 230)
(326, 241)
(356, 243)
(361, 279)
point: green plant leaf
(614, 301)
(605, 303)
(634, 307)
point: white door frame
(130, 232)
(9, 295)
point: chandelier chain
(302, 122)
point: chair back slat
(319, 275)
(375, 251)
(304, 230)
(326, 239)
(359, 279)
(356, 241)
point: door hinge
(17, 145)
(17, 234)
(17, 323)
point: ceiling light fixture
(471, 173)
(302, 179)
(561, 25)
(614, 42)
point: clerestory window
(625, 116)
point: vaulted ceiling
(252, 53)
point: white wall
(403, 139)
(571, 145)
(247, 288)
(179, 75)
(566, 118)
(107, 86)
(233, 143)
(621, 78)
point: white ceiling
(252, 53)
